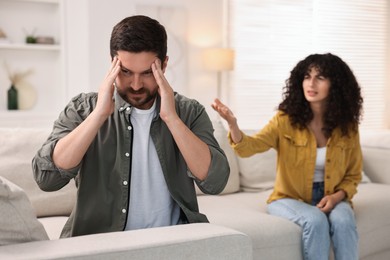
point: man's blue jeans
(319, 230)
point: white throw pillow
(18, 223)
(258, 172)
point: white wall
(88, 29)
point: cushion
(376, 165)
(18, 223)
(258, 172)
(17, 148)
(376, 153)
(375, 138)
(233, 184)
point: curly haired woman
(315, 133)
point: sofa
(239, 227)
(242, 205)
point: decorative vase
(27, 95)
(12, 98)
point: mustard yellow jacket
(296, 159)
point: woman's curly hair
(344, 103)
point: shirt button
(125, 183)
(129, 127)
(127, 154)
(128, 108)
(123, 210)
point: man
(135, 147)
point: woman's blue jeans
(320, 230)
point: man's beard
(141, 102)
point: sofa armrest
(192, 241)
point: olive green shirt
(103, 177)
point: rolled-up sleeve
(218, 174)
(219, 169)
(46, 174)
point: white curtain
(271, 36)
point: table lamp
(219, 60)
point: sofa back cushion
(18, 223)
(258, 172)
(17, 148)
(376, 155)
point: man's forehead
(138, 69)
(136, 62)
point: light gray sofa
(195, 241)
(239, 226)
(243, 205)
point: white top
(320, 165)
(150, 204)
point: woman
(315, 133)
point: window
(271, 36)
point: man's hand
(196, 153)
(167, 110)
(70, 149)
(105, 102)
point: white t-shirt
(150, 203)
(320, 165)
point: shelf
(38, 1)
(33, 46)
(47, 61)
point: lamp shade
(218, 59)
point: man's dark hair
(137, 34)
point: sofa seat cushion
(277, 238)
(372, 209)
(53, 225)
(272, 237)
